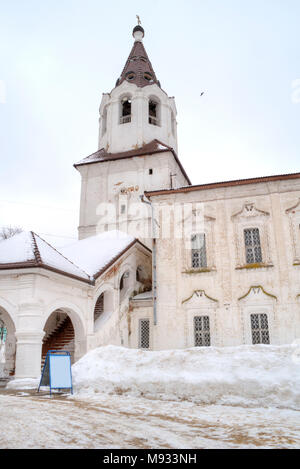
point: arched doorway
(7, 344)
(59, 334)
(104, 307)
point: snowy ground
(136, 399)
(109, 421)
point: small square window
(150, 171)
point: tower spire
(138, 68)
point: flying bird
(202, 93)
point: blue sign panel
(57, 371)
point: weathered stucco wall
(229, 290)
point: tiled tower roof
(138, 68)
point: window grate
(201, 331)
(260, 329)
(144, 333)
(252, 245)
(198, 251)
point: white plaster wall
(226, 279)
(115, 325)
(29, 296)
(106, 186)
(140, 310)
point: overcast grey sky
(57, 58)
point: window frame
(154, 120)
(125, 118)
(253, 250)
(263, 333)
(205, 334)
(200, 252)
(140, 338)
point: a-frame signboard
(57, 372)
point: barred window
(260, 329)
(252, 245)
(144, 333)
(198, 251)
(201, 331)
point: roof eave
(118, 256)
(36, 265)
(224, 184)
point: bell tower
(137, 110)
(137, 150)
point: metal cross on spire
(138, 19)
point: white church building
(160, 263)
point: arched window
(154, 111)
(125, 116)
(139, 274)
(104, 307)
(124, 284)
(99, 307)
(124, 281)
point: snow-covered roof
(28, 249)
(93, 254)
(85, 259)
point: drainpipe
(147, 201)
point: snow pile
(249, 376)
(23, 383)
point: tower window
(148, 76)
(153, 112)
(125, 111)
(130, 76)
(150, 171)
(252, 245)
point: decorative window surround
(200, 304)
(258, 265)
(294, 223)
(257, 301)
(209, 231)
(247, 218)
